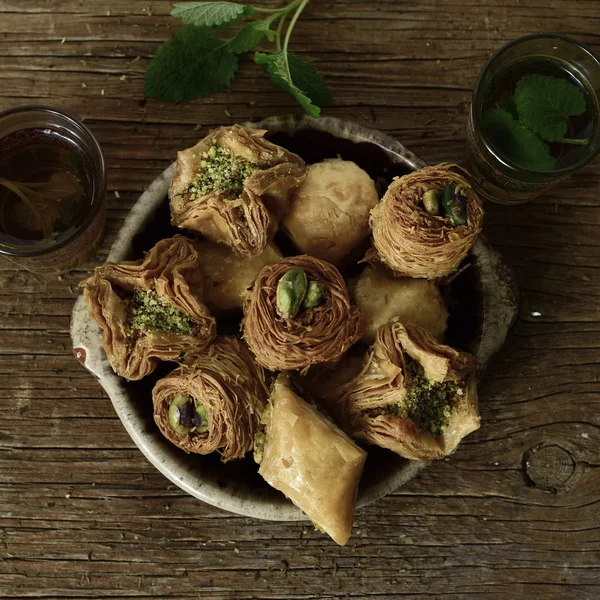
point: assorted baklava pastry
(150, 310)
(227, 276)
(234, 187)
(329, 212)
(321, 360)
(298, 313)
(381, 298)
(413, 396)
(426, 222)
(213, 402)
(307, 457)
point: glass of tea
(52, 189)
(533, 118)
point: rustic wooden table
(513, 514)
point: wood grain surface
(513, 514)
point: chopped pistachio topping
(428, 403)
(150, 312)
(221, 171)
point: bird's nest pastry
(150, 310)
(298, 313)
(213, 401)
(233, 187)
(414, 395)
(426, 222)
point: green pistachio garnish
(455, 205)
(291, 291)
(149, 312)
(431, 201)
(259, 446)
(261, 435)
(221, 171)
(175, 414)
(428, 404)
(315, 294)
(187, 415)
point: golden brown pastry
(227, 276)
(214, 401)
(150, 310)
(329, 212)
(414, 395)
(305, 456)
(233, 187)
(298, 314)
(382, 298)
(323, 382)
(426, 222)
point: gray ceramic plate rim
(499, 299)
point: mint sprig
(198, 62)
(537, 113)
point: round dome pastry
(329, 211)
(381, 299)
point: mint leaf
(250, 36)
(518, 143)
(211, 14)
(545, 103)
(276, 65)
(193, 63)
(308, 79)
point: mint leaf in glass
(516, 142)
(545, 103)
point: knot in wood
(549, 467)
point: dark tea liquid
(581, 127)
(45, 188)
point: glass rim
(476, 120)
(97, 195)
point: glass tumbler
(497, 176)
(52, 189)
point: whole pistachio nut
(199, 418)
(291, 291)
(187, 415)
(315, 294)
(180, 414)
(455, 205)
(431, 201)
